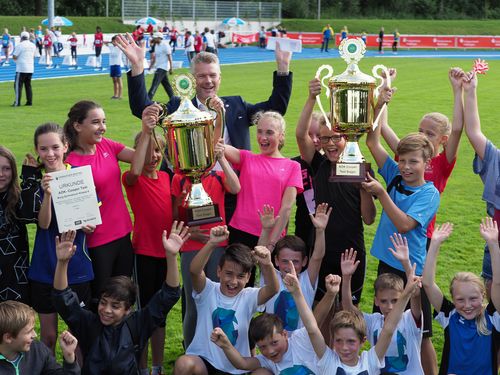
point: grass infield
(422, 87)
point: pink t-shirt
(151, 204)
(438, 171)
(115, 217)
(263, 181)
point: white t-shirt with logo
(162, 51)
(300, 357)
(25, 57)
(368, 364)
(232, 314)
(283, 304)
(403, 353)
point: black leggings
(116, 258)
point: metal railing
(174, 10)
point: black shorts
(150, 273)
(426, 305)
(41, 296)
(211, 370)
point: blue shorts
(115, 71)
(487, 272)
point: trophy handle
(375, 70)
(220, 123)
(318, 100)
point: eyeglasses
(334, 138)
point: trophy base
(203, 215)
(349, 172)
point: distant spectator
(24, 55)
(274, 32)
(98, 42)
(327, 35)
(138, 34)
(162, 60)
(189, 45)
(6, 45)
(165, 29)
(262, 37)
(39, 39)
(115, 68)
(381, 40)
(47, 45)
(73, 43)
(209, 41)
(363, 37)
(150, 29)
(395, 42)
(173, 38)
(343, 33)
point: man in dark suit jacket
(206, 70)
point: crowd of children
(84, 276)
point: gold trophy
(352, 96)
(191, 135)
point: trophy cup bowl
(191, 135)
(352, 102)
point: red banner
(245, 38)
(307, 38)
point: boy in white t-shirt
(281, 352)
(348, 333)
(293, 248)
(228, 304)
(403, 353)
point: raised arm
(391, 321)
(287, 201)
(263, 257)
(471, 115)
(373, 142)
(489, 231)
(267, 221)
(320, 221)
(217, 235)
(143, 149)
(178, 235)
(368, 208)
(135, 53)
(332, 285)
(348, 265)
(64, 252)
(292, 284)
(441, 233)
(388, 134)
(402, 254)
(457, 124)
(219, 338)
(232, 182)
(232, 154)
(304, 141)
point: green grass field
(422, 87)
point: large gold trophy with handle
(191, 135)
(352, 95)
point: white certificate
(286, 44)
(74, 198)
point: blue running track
(240, 55)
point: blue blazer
(238, 112)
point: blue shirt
(418, 202)
(489, 171)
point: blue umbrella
(147, 20)
(58, 21)
(233, 21)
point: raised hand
(150, 117)
(68, 344)
(400, 251)
(218, 234)
(456, 76)
(413, 283)
(469, 82)
(290, 280)
(332, 283)
(348, 262)
(178, 235)
(64, 246)
(135, 54)
(267, 218)
(30, 160)
(442, 232)
(282, 58)
(262, 255)
(314, 88)
(219, 149)
(489, 230)
(219, 338)
(321, 216)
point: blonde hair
(469, 277)
(273, 116)
(156, 139)
(416, 142)
(14, 316)
(349, 319)
(442, 122)
(388, 281)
